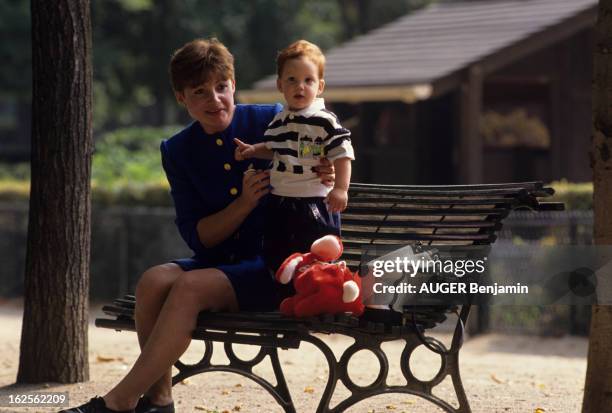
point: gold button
(233, 191)
(219, 141)
(227, 166)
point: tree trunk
(598, 387)
(54, 333)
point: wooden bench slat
(510, 192)
(529, 185)
(359, 199)
(412, 236)
(358, 210)
(410, 223)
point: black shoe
(95, 405)
(145, 406)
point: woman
(218, 213)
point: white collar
(315, 106)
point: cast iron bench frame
(377, 215)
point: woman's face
(211, 103)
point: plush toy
(321, 287)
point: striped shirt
(299, 140)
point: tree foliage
(16, 68)
(133, 40)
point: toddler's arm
(245, 151)
(337, 199)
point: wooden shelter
(468, 91)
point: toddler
(300, 208)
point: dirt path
(501, 373)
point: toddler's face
(300, 83)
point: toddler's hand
(243, 150)
(337, 200)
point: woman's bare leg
(151, 292)
(191, 292)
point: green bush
(149, 193)
(15, 171)
(575, 196)
(129, 156)
(14, 190)
(126, 170)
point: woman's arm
(216, 228)
(326, 172)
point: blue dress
(205, 178)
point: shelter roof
(423, 53)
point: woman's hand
(216, 228)
(255, 184)
(326, 172)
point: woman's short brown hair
(301, 48)
(196, 61)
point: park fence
(128, 240)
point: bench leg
(338, 371)
(280, 391)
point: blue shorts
(253, 285)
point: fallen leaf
(107, 359)
(238, 385)
(186, 382)
(407, 402)
(541, 386)
(495, 379)
(225, 392)
(391, 407)
(308, 389)
(201, 408)
(539, 410)
(236, 408)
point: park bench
(377, 215)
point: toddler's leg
(280, 218)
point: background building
(466, 92)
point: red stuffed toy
(321, 287)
